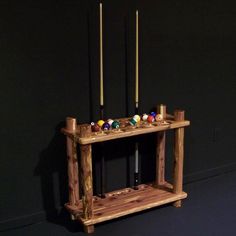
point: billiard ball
(153, 114)
(159, 117)
(137, 118)
(100, 123)
(95, 127)
(132, 122)
(150, 119)
(110, 121)
(144, 117)
(115, 124)
(106, 126)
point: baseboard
(42, 215)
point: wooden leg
(88, 229)
(76, 173)
(73, 177)
(160, 152)
(177, 204)
(87, 182)
(160, 158)
(178, 158)
(86, 178)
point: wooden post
(88, 229)
(160, 151)
(73, 177)
(178, 157)
(86, 177)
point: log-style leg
(73, 177)
(88, 229)
(86, 177)
(178, 157)
(160, 151)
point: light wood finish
(73, 177)
(88, 229)
(86, 174)
(101, 54)
(178, 157)
(136, 64)
(127, 201)
(126, 132)
(160, 150)
(91, 209)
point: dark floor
(209, 210)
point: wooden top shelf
(125, 132)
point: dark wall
(49, 54)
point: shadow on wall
(52, 169)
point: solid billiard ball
(100, 123)
(95, 127)
(150, 119)
(106, 126)
(153, 114)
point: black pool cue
(136, 171)
(102, 159)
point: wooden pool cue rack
(89, 209)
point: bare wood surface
(126, 132)
(76, 173)
(92, 209)
(178, 157)
(160, 158)
(85, 130)
(123, 202)
(73, 179)
(161, 109)
(88, 229)
(86, 174)
(160, 150)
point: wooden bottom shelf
(126, 201)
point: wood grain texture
(90, 210)
(88, 229)
(124, 133)
(160, 150)
(85, 130)
(160, 158)
(75, 173)
(86, 174)
(73, 179)
(178, 156)
(127, 201)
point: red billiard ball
(150, 119)
(95, 127)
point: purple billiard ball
(106, 126)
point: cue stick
(136, 172)
(101, 99)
